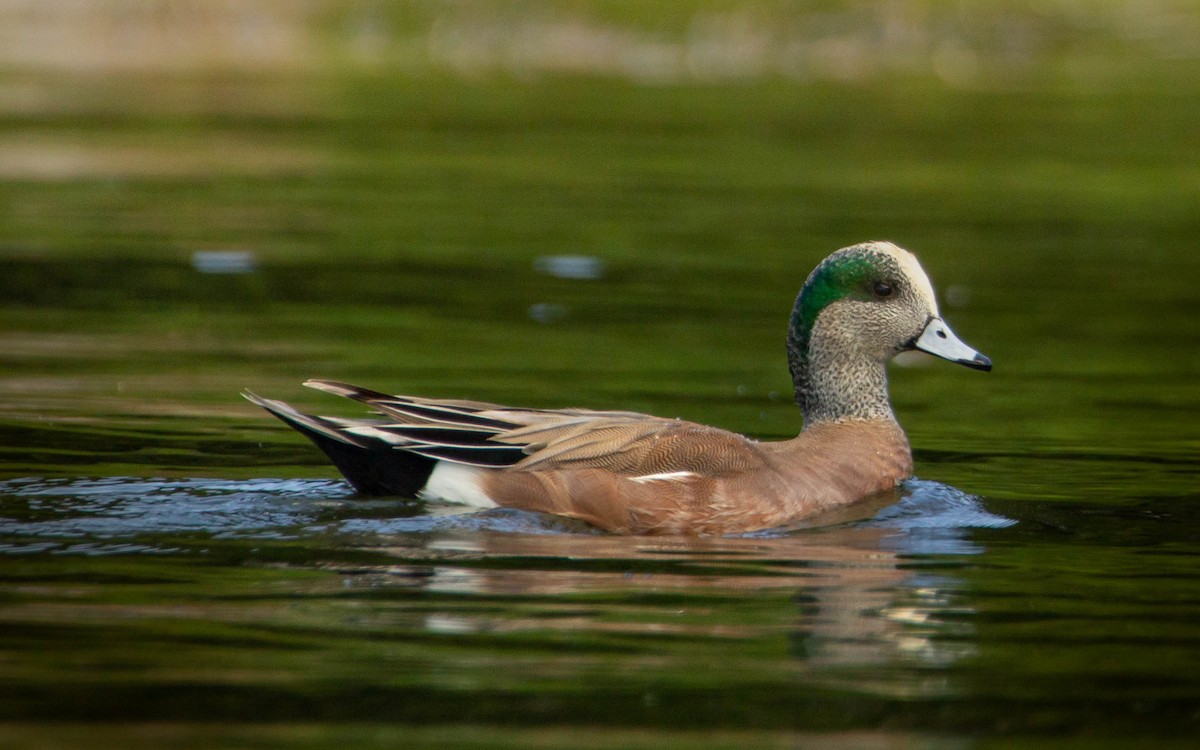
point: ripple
(932, 505)
(120, 511)
(934, 519)
(121, 515)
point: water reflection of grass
(663, 43)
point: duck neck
(836, 383)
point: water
(177, 569)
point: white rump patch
(667, 476)
(456, 483)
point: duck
(631, 473)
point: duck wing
(493, 436)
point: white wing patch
(456, 483)
(667, 476)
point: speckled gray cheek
(839, 376)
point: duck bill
(940, 341)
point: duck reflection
(854, 592)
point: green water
(178, 569)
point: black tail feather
(371, 465)
(488, 457)
(377, 469)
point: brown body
(732, 484)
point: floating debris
(547, 312)
(224, 261)
(570, 266)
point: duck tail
(372, 466)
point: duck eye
(882, 289)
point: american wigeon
(638, 474)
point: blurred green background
(394, 171)
(198, 197)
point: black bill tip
(979, 362)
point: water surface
(178, 569)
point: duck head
(860, 307)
